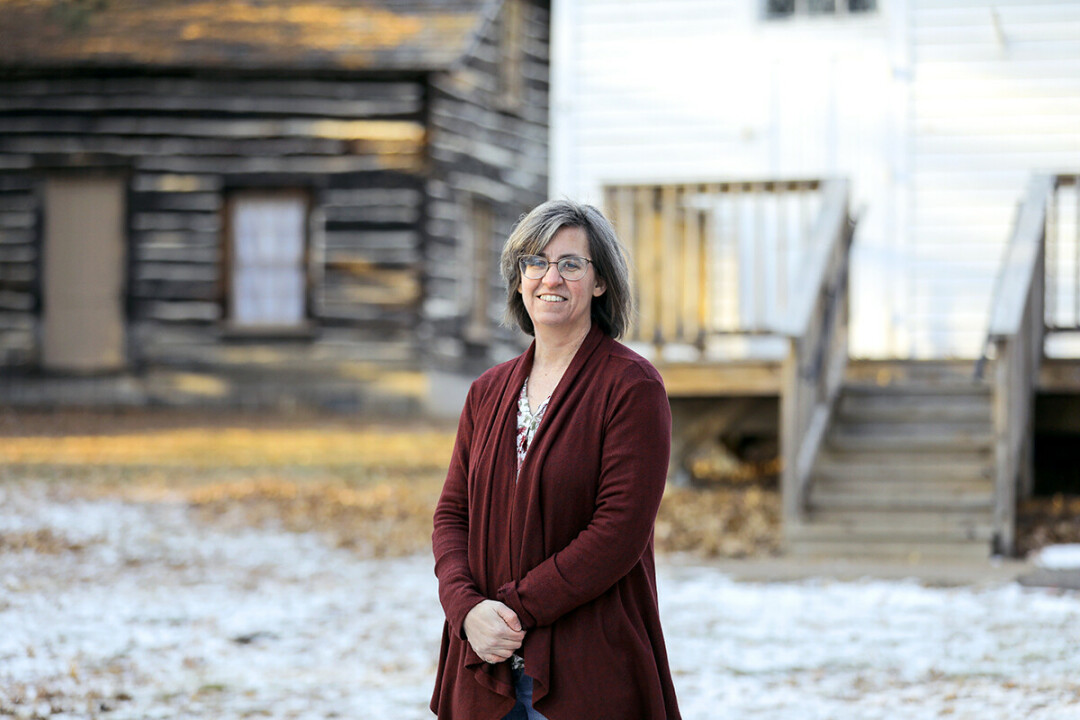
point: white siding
(937, 110)
(995, 96)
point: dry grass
(367, 487)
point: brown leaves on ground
(42, 541)
(381, 520)
(729, 522)
(1043, 521)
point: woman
(544, 529)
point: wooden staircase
(906, 468)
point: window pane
(779, 8)
(862, 5)
(268, 279)
(820, 7)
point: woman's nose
(551, 275)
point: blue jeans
(523, 686)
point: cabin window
(267, 260)
(511, 54)
(479, 260)
(804, 8)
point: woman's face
(554, 302)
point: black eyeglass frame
(523, 266)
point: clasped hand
(493, 630)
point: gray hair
(612, 310)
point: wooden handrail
(1015, 332)
(813, 369)
(712, 258)
(1018, 268)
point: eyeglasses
(535, 267)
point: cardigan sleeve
(458, 592)
(636, 446)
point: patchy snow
(1059, 557)
(144, 613)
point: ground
(163, 570)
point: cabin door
(83, 261)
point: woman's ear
(600, 288)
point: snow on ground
(1059, 557)
(135, 610)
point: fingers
(509, 617)
(494, 631)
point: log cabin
(262, 202)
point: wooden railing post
(1016, 332)
(792, 509)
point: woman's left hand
(494, 631)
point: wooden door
(84, 261)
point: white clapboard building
(937, 111)
(863, 212)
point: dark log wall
(489, 148)
(356, 148)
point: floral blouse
(527, 422)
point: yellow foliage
(235, 447)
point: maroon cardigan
(568, 546)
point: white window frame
(267, 268)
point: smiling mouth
(552, 298)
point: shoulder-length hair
(612, 310)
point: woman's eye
(572, 265)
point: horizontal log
(185, 87)
(249, 128)
(17, 220)
(189, 201)
(17, 237)
(16, 182)
(145, 253)
(177, 272)
(176, 290)
(172, 221)
(372, 197)
(179, 311)
(13, 300)
(185, 238)
(391, 257)
(404, 214)
(239, 104)
(128, 146)
(17, 276)
(373, 314)
(372, 240)
(17, 321)
(18, 253)
(173, 183)
(302, 165)
(17, 202)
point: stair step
(869, 407)
(875, 439)
(906, 371)
(901, 525)
(925, 468)
(826, 498)
(928, 428)
(921, 388)
(889, 550)
(934, 493)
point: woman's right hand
(493, 630)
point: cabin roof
(387, 35)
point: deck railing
(816, 331)
(714, 259)
(1036, 291)
(749, 258)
